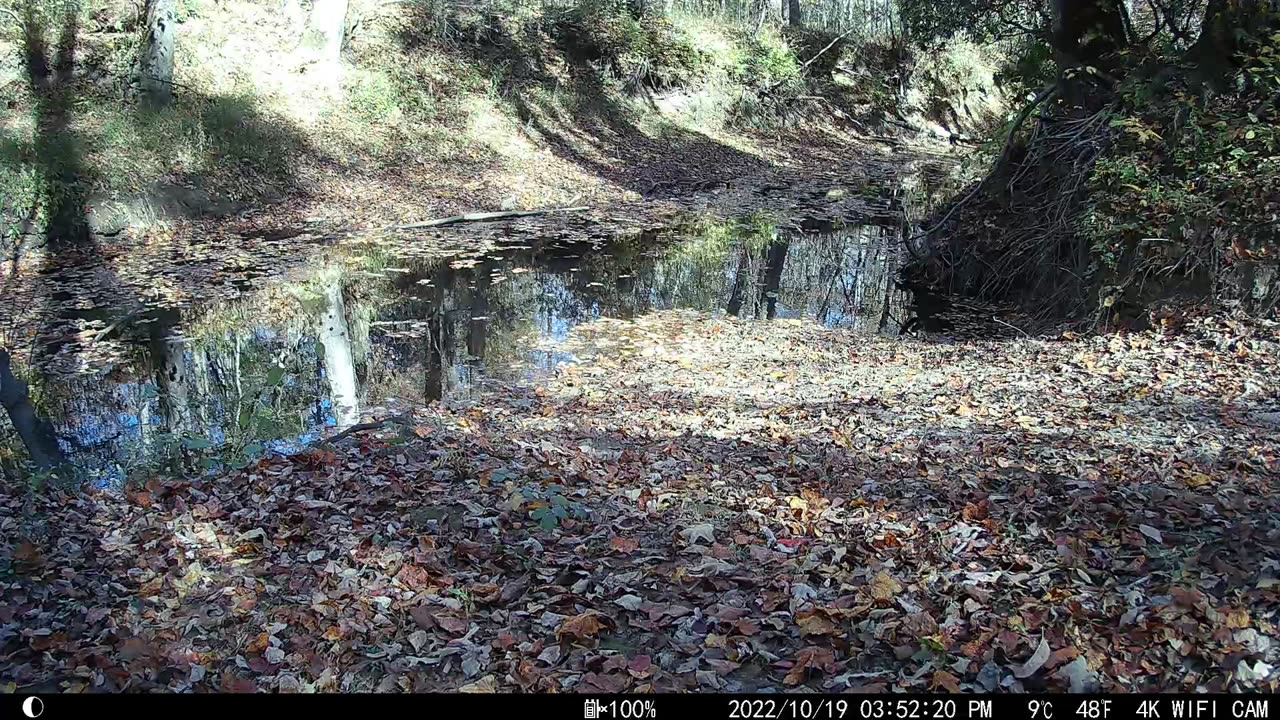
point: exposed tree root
(1012, 236)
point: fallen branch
(358, 428)
(16, 18)
(100, 334)
(823, 51)
(480, 217)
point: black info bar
(797, 706)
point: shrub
(1190, 187)
(641, 53)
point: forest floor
(700, 503)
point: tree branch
(360, 427)
(480, 217)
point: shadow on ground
(559, 91)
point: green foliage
(1028, 68)
(549, 507)
(374, 97)
(21, 186)
(768, 61)
(929, 23)
(641, 53)
(1188, 180)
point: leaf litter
(781, 506)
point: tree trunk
(156, 62)
(478, 325)
(794, 16)
(740, 280)
(325, 28)
(36, 432)
(439, 339)
(775, 258)
(1087, 32)
(1227, 29)
(339, 365)
(169, 363)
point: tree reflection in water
(269, 372)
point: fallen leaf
(945, 680)
(1035, 662)
(629, 602)
(581, 627)
(484, 686)
(815, 622)
(623, 545)
(810, 658)
(884, 587)
(694, 533)
(1151, 532)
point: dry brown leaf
(1035, 662)
(484, 686)
(815, 622)
(810, 658)
(581, 627)
(945, 680)
(884, 587)
(623, 545)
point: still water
(370, 331)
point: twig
(107, 330)
(480, 217)
(829, 45)
(1015, 327)
(804, 66)
(361, 427)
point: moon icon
(32, 707)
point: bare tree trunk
(339, 365)
(775, 258)
(740, 280)
(794, 17)
(36, 432)
(439, 339)
(478, 326)
(325, 28)
(155, 65)
(169, 363)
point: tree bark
(478, 325)
(156, 62)
(325, 28)
(439, 339)
(36, 432)
(740, 280)
(169, 363)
